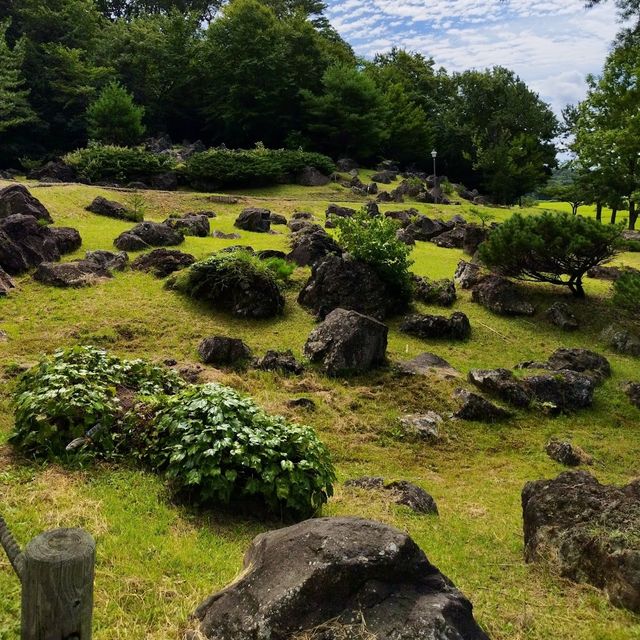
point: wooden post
(57, 586)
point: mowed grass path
(158, 560)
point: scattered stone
(223, 351)
(148, 234)
(428, 364)
(6, 283)
(501, 383)
(191, 373)
(311, 245)
(425, 229)
(369, 483)
(109, 260)
(53, 171)
(632, 389)
(343, 282)
(622, 340)
(226, 236)
(311, 177)
(79, 273)
(238, 247)
(109, 208)
(440, 292)
(167, 181)
(254, 219)
(347, 342)
(16, 199)
(267, 254)
(560, 314)
(475, 407)
(452, 239)
(567, 454)
(347, 164)
(344, 571)
(340, 212)
(474, 236)
(163, 262)
(422, 427)
(302, 403)
(67, 239)
(384, 177)
(501, 296)
(278, 219)
(414, 497)
(25, 243)
(562, 390)
(303, 225)
(302, 215)
(405, 235)
(456, 327)
(610, 273)
(582, 361)
(587, 531)
(191, 224)
(283, 361)
(467, 274)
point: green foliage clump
(216, 446)
(373, 240)
(280, 268)
(546, 247)
(123, 164)
(114, 118)
(75, 389)
(259, 166)
(626, 292)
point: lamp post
(434, 155)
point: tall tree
(114, 118)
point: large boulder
(425, 229)
(561, 391)
(581, 360)
(468, 274)
(343, 282)
(25, 243)
(334, 210)
(475, 407)
(67, 239)
(474, 236)
(53, 171)
(148, 234)
(501, 296)
(560, 314)
(282, 361)
(347, 342)
(223, 351)
(310, 245)
(384, 176)
(109, 259)
(254, 219)
(452, 239)
(622, 340)
(311, 177)
(16, 199)
(501, 383)
(109, 208)
(191, 224)
(345, 574)
(587, 532)
(79, 273)
(456, 327)
(162, 262)
(6, 283)
(440, 292)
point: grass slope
(157, 560)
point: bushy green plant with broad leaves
(217, 446)
(626, 292)
(75, 389)
(373, 240)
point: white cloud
(551, 44)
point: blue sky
(551, 44)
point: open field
(158, 560)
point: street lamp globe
(434, 154)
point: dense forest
(270, 71)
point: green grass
(158, 560)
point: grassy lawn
(158, 560)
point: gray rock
(347, 572)
(16, 199)
(475, 407)
(67, 239)
(148, 234)
(340, 212)
(581, 360)
(109, 208)
(501, 296)
(223, 351)
(467, 274)
(347, 342)
(428, 364)
(474, 236)
(283, 361)
(167, 181)
(302, 403)
(109, 259)
(254, 219)
(402, 492)
(191, 224)
(311, 245)
(347, 164)
(277, 219)
(163, 262)
(226, 236)
(567, 454)
(560, 314)
(452, 239)
(562, 390)
(311, 177)
(6, 283)
(622, 340)
(79, 273)
(456, 327)
(501, 383)
(632, 389)
(587, 532)
(440, 292)
(424, 426)
(609, 273)
(53, 171)
(25, 243)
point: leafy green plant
(281, 268)
(546, 247)
(136, 206)
(75, 389)
(124, 164)
(373, 240)
(626, 291)
(482, 215)
(217, 446)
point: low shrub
(373, 240)
(217, 446)
(256, 167)
(99, 162)
(75, 389)
(626, 292)
(280, 268)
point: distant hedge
(99, 162)
(257, 167)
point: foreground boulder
(16, 199)
(79, 273)
(345, 573)
(347, 342)
(146, 235)
(456, 327)
(501, 296)
(163, 262)
(254, 219)
(25, 243)
(310, 245)
(191, 224)
(109, 208)
(67, 239)
(346, 283)
(587, 532)
(223, 351)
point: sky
(551, 44)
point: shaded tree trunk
(575, 286)
(633, 215)
(599, 211)
(614, 213)
(574, 208)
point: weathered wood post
(56, 570)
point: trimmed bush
(98, 162)
(257, 167)
(75, 389)
(217, 446)
(373, 240)
(626, 292)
